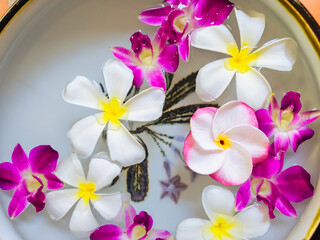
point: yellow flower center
(138, 232)
(180, 22)
(285, 121)
(223, 141)
(86, 191)
(240, 61)
(221, 228)
(113, 111)
(146, 57)
(32, 183)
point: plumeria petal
(237, 166)
(266, 123)
(278, 55)
(191, 229)
(85, 133)
(212, 80)
(168, 59)
(108, 205)
(118, 79)
(108, 232)
(43, 159)
(123, 147)
(199, 160)
(19, 158)
(10, 176)
(201, 124)
(58, 203)
(155, 78)
(155, 16)
(155, 234)
(298, 136)
(184, 47)
(53, 182)
(253, 88)
(81, 91)
(281, 141)
(18, 202)
(146, 106)
(244, 195)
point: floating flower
(29, 177)
(146, 106)
(172, 188)
(252, 87)
(182, 17)
(101, 173)
(225, 143)
(148, 59)
(274, 187)
(287, 123)
(219, 204)
(138, 227)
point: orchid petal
(291, 101)
(118, 79)
(298, 136)
(268, 168)
(253, 88)
(19, 158)
(123, 147)
(155, 16)
(108, 205)
(201, 124)
(81, 91)
(279, 55)
(191, 229)
(155, 234)
(199, 160)
(138, 76)
(143, 219)
(184, 47)
(237, 166)
(212, 80)
(244, 195)
(285, 207)
(85, 133)
(266, 123)
(130, 213)
(43, 159)
(58, 203)
(53, 182)
(18, 202)
(155, 78)
(168, 59)
(146, 106)
(124, 55)
(10, 176)
(37, 199)
(308, 117)
(281, 141)
(108, 232)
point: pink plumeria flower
(243, 63)
(219, 204)
(274, 187)
(182, 17)
(29, 177)
(148, 59)
(85, 190)
(145, 106)
(225, 143)
(286, 123)
(138, 227)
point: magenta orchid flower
(225, 143)
(148, 59)
(287, 123)
(138, 227)
(274, 187)
(182, 17)
(29, 177)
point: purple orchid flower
(287, 123)
(138, 227)
(148, 59)
(274, 187)
(29, 177)
(182, 17)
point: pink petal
(308, 117)
(43, 159)
(176, 3)
(10, 176)
(155, 234)
(273, 106)
(184, 47)
(291, 101)
(285, 207)
(143, 219)
(130, 213)
(53, 182)
(108, 232)
(19, 158)
(298, 136)
(156, 78)
(244, 196)
(168, 58)
(155, 16)
(266, 124)
(269, 199)
(139, 42)
(37, 199)
(124, 55)
(137, 76)
(281, 141)
(18, 202)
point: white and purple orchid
(219, 204)
(225, 143)
(145, 106)
(182, 17)
(84, 190)
(29, 177)
(286, 123)
(148, 59)
(251, 86)
(138, 227)
(274, 187)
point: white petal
(84, 134)
(58, 203)
(237, 166)
(218, 201)
(70, 170)
(214, 38)
(252, 139)
(83, 92)
(118, 78)
(251, 27)
(146, 106)
(199, 160)
(82, 219)
(123, 147)
(102, 170)
(279, 55)
(108, 205)
(253, 88)
(191, 229)
(212, 80)
(201, 128)
(232, 114)
(254, 220)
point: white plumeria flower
(101, 173)
(252, 87)
(219, 204)
(145, 106)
